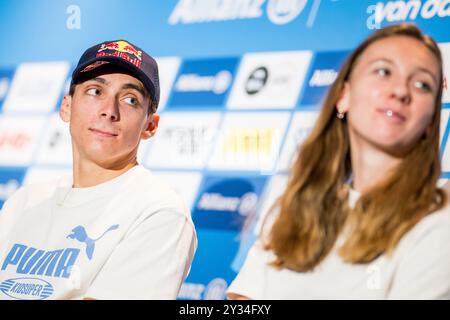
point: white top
(418, 269)
(128, 238)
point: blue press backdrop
(243, 81)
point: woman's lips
(103, 133)
(392, 115)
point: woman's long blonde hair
(313, 209)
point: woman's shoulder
(441, 216)
(437, 220)
(433, 228)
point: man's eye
(132, 101)
(93, 91)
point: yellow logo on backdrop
(249, 141)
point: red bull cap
(123, 54)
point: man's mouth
(103, 133)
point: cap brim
(114, 61)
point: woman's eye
(93, 92)
(422, 85)
(383, 72)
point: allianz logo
(217, 202)
(201, 11)
(8, 188)
(324, 77)
(191, 82)
(214, 290)
(395, 11)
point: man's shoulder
(48, 186)
(30, 194)
(157, 193)
(149, 182)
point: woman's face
(390, 96)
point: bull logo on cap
(121, 46)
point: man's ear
(65, 108)
(151, 127)
(343, 103)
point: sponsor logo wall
(229, 131)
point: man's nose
(110, 109)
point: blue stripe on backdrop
(48, 30)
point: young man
(113, 230)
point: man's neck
(89, 174)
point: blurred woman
(362, 216)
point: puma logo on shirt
(79, 233)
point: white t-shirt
(418, 269)
(128, 238)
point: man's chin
(108, 160)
